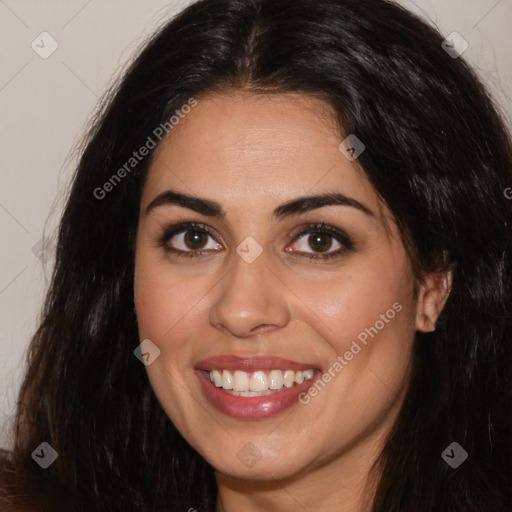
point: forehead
(263, 149)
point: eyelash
(308, 229)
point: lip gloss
(253, 407)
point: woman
(298, 210)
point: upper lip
(250, 363)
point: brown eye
(320, 241)
(188, 239)
(315, 240)
(195, 239)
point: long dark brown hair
(438, 154)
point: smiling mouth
(254, 387)
(257, 383)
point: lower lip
(253, 407)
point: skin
(251, 153)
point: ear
(431, 300)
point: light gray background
(45, 104)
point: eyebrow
(298, 205)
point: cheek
(164, 300)
(367, 300)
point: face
(306, 311)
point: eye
(190, 239)
(320, 238)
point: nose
(250, 300)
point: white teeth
(308, 374)
(249, 393)
(240, 381)
(289, 377)
(217, 378)
(275, 379)
(227, 379)
(258, 383)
